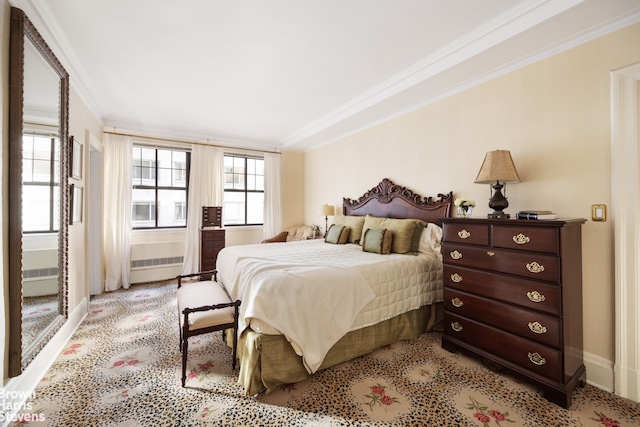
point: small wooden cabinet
(513, 296)
(211, 242)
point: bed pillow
(420, 226)
(404, 231)
(430, 239)
(302, 232)
(378, 241)
(354, 223)
(337, 234)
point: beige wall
(81, 122)
(554, 118)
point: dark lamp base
(498, 203)
(498, 215)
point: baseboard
(600, 372)
(17, 390)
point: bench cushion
(198, 294)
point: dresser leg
(449, 346)
(560, 398)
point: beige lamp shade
(497, 166)
(328, 210)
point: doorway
(94, 234)
(625, 181)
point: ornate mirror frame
(20, 353)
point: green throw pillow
(377, 241)
(404, 231)
(337, 234)
(354, 223)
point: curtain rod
(275, 150)
(41, 124)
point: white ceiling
(296, 74)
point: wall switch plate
(598, 212)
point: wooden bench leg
(235, 345)
(235, 342)
(185, 346)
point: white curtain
(206, 188)
(272, 195)
(117, 211)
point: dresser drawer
(528, 324)
(532, 294)
(211, 246)
(473, 234)
(212, 235)
(525, 238)
(528, 264)
(532, 356)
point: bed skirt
(268, 361)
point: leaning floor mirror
(38, 193)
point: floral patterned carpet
(37, 314)
(122, 368)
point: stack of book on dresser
(536, 215)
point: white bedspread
(314, 292)
(314, 298)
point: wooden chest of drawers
(513, 296)
(211, 242)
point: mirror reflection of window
(41, 183)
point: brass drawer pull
(536, 359)
(456, 278)
(464, 234)
(534, 267)
(457, 302)
(490, 253)
(521, 239)
(456, 255)
(535, 296)
(456, 326)
(537, 328)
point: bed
(353, 298)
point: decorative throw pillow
(420, 226)
(337, 234)
(404, 231)
(355, 223)
(377, 241)
(431, 239)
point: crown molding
(501, 29)
(513, 22)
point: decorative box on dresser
(513, 296)
(211, 242)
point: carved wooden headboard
(393, 201)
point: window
(41, 183)
(160, 182)
(243, 190)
